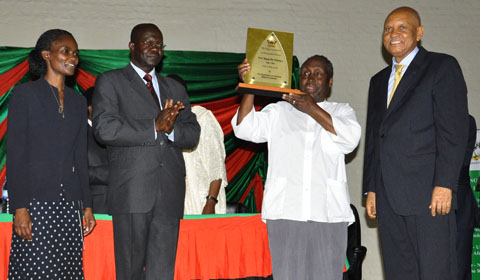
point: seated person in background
(206, 177)
(306, 203)
(97, 164)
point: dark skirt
(56, 249)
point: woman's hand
(243, 69)
(23, 224)
(89, 221)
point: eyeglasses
(152, 44)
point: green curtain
(211, 79)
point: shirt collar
(142, 73)
(407, 60)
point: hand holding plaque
(270, 56)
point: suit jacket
(142, 168)
(467, 204)
(97, 165)
(419, 141)
(45, 150)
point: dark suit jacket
(45, 150)
(97, 165)
(419, 141)
(140, 166)
(467, 204)
(97, 173)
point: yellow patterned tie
(396, 81)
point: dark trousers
(464, 253)
(466, 216)
(417, 247)
(99, 203)
(145, 245)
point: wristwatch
(212, 198)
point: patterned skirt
(56, 249)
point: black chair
(236, 207)
(355, 251)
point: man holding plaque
(306, 203)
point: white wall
(346, 31)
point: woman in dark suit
(47, 166)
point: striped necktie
(150, 88)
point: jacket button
(161, 164)
(162, 143)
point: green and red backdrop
(211, 80)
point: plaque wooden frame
(262, 90)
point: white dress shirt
(152, 73)
(306, 178)
(406, 61)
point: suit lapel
(162, 84)
(383, 90)
(139, 88)
(409, 79)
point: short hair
(325, 60)
(137, 29)
(37, 64)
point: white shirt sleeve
(347, 128)
(255, 126)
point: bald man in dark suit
(417, 128)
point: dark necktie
(150, 88)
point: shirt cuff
(171, 136)
(155, 129)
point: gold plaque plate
(270, 56)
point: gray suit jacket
(142, 169)
(97, 164)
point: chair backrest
(355, 251)
(236, 207)
(354, 232)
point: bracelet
(212, 198)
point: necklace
(60, 107)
